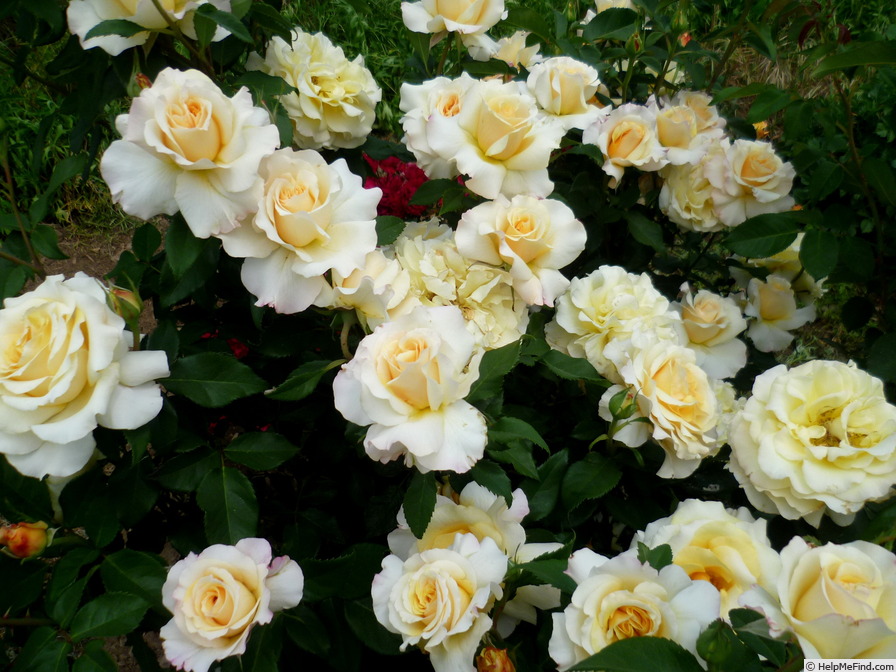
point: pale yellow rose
(727, 547)
(772, 306)
(712, 323)
(467, 17)
(817, 439)
(627, 137)
(686, 197)
(564, 88)
(708, 119)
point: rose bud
(25, 540)
(493, 659)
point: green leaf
(572, 368)
(494, 366)
(530, 20)
(431, 191)
(720, 647)
(645, 231)
(307, 631)
(43, 652)
(493, 477)
(182, 248)
(260, 450)
(268, 17)
(825, 178)
(121, 27)
(882, 357)
(858, 53)
(137, 573)
(519, 456)
(46, 242)
(612, 24)
(361, 619)
(146, 241)
(763, 235)
(264, 86)
(227, 21)
(212, 379)
(818, 253)
(185, 472)
(205, 29)
(28, 579)
(508, 428)
(590, 478)
(420, 501)
(658, 557)
(302, 381)
(768, 103)
(880, 176)
(388, 228)
(752, 628)
(263, 650)
(23, 497)
(640, 654)
(231, 509)
(551, 571)
(347, 577)
(11, 283)
(543, 494)
(94, 658)
(109, 615)
(64, 590)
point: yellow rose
(564, 88)
(467, 17)
(627, 136)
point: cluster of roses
(437, 591)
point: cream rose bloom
(439, 599)
(679, 399)
(512, 50)
(601, 315)
(708, 119)
(499, 140)
(771, 303)
(65, 368)
(407, 381)
(785, 264)
(840, 600)
(627, 136)
(712, 323)
(564, 89)
(727, 547)
(535, 237)
(467, 17)
(621, 598)
(440, 98)
(313, 217)
(83, 15)
(334, 105)
(187, 147)
(441, 276)
(217, 597)
(748, 179)
(817, 439)
(686, 197)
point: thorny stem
(36, 266)
(172, 25)
(706, 245)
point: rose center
(407, 367)
(503, 129)
(630, 621)
(448, 104)
(193, 130)
(625, 139)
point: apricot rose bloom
(65, 368)
(535, 237)
(839, 599)
(439, 599)
(312, 218)
(621, 598)
(187, 147)
(335, 98)
(727, 547)
(813, 440)
(218, 596)
(627, 137)
(712, 323)
(407, 381)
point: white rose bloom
(712, 323)
(408, 380)
(840, 600)
(564, 88)
(627, 136)
(817, 439)
(708, 119)
(686, 197)
(621, 598)
(748, 179)
(727, 547)
(217, 597)
(186, 146)
(499, 140)
(771, 304)
(609, 308)
(467, 17)
(83, 15)
(336, 99)
(439, 599)
(378, 289)
(512, 50)
(785, 264)
(312, 218)
(65, 368)
(442, 276)
(729, 406)
(679, 399)
(440, 98)
(534, 237)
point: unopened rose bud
(24, 540)
(493, 659)
(125, 303)
(684, 38)
(142, 80)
